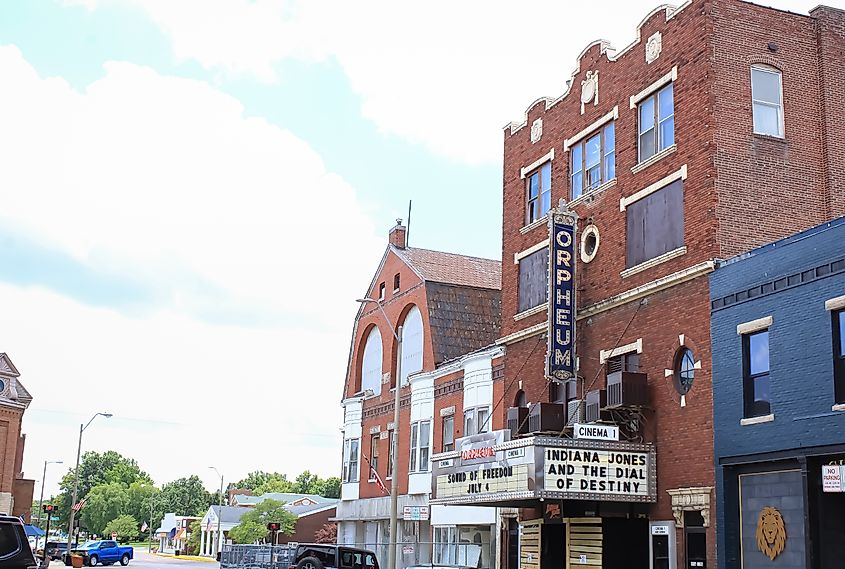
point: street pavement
(144, 560)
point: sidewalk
(187, 557)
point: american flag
(374, 476)
(78, 506)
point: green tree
(253, 480)
(96, 469)
(126, 528)
(185, 496)
(329, 487)
(103, 504)
(194, 536)
(141, 495)
(307, 483)
(253, 524)
(275, 484)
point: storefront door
(695, 540)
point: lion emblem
(771, 532)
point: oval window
(684, 370)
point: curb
(187, 557)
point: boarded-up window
(533, 279)
(655, 224)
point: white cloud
(166, 182)
(447, 75)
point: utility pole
(41, 504)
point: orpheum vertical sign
(560, 358)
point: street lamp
(394, 444)
(220, 513)
(76, 477)
(41, 499)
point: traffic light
(274, 526)
(48, 508)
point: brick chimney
(398, 235)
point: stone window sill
(757, 420)
(655, 158)
(588, 196)
(531, 311)
(838, 407)
(534, 224)
(669, 255)
(772, 137)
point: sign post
(48, 509)
(274, 528)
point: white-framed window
(767, 100)
(412, 344)
(371, 362)
(350, 460)
(538, 193)
(476, 420)
(593, 161)
(656, 123)
(420, 446)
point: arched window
(371, 362)
(519, 400)
(412, 344)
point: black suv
(15, 552)
(324, 556)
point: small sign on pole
(832, 478)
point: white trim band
(835, 303)
(523, 334)
(537, 223)
(754, 325)
(548, 157)
(665, 80)
(637, 346)
(522, 254)
(654, 261)
(532, 311)
(679, 174)
(838, 407)
(612, 115)
(654, 158)
(757, 420)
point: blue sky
(195, 192)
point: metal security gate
(256, 556)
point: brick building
(717, 130)
(15, 490)
(778, 327)
(446, 308)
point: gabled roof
(451, 268)
(7, 367)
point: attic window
(381, 291)
(396, 282)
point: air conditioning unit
(627, 389)
(517, 421)
(575, 411)
(547, 418)
(596, 401)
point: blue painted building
(778, 333)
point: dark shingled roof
(462, 318)
(450, 268)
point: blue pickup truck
(106, 552)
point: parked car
(105, 551)
(53, 549)
(324, 556)
(15, 551)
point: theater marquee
(491, 469)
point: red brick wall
(768, 187)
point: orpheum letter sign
(560, 358)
